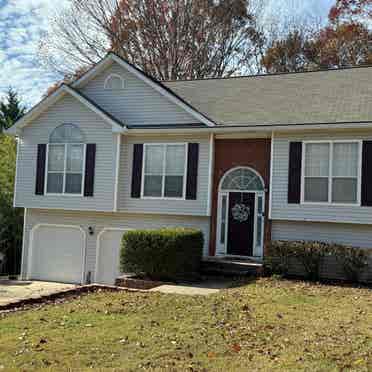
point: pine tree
(11, 219)
(10, 109)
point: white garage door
(108, 256)
(57, 254)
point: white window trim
(330, 175)
(63, 193)
(163, 175)
(110, 76)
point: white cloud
(22, 22)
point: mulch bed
(56, 298)
(135, 282)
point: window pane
(345, 159)
(316, 189)
(75, 158)
(154, 159)
(175, 163)
(153, 186)
(344, 190)
(56, 158)
(73, 183)
(317, 160)
(173, 186)
(55, 183)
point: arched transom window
(65, 166)
(242, 179)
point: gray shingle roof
(314, 97)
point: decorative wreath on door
(240, 212)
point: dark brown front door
(241, 224)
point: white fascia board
(259, 129)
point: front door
(241, 216)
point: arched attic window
(65, 162)
(114, 82)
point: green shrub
(276, 261)
(311, 254)
(353, 260)
(165, 254)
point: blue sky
(23, 22)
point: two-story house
(245, 159)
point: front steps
(225, 266)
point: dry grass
(264, 325)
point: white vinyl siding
(166, 205)
(67, 110)
(327, 212)
(100, 220)
(137, 103)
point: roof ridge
(271, 74)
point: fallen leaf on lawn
(211, 354)
(236, 348)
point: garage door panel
(108, 256)
(57, 254)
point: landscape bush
(311, 255)
(164, 254)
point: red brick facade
(231, 153)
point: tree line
(189, 39)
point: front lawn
(265, 325)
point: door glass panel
(259, 231)
(223, 219)
(260, 205)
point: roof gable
(52, 99)
(160, 94)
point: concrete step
(231, 267)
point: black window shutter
(294, 173)
(367, 174)
(137, 170)
(40, 169)
(192, 171)
(90, 165)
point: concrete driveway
(14, 291)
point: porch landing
(229, 266)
